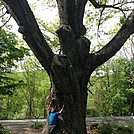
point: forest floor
(24, 126)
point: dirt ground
(23, 126)
(37, 131)
(27, 131)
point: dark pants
(53, 129)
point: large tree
(69, 71)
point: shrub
(115, 129)
(37, 125)
(91, 113)
(3, 131)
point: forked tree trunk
(69, 77)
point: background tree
(70, 71)
(111, 88)
(27, 99)
(35, 89)
(10, 52)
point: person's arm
(61, 109)
(60, 117)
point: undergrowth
(37, 125)
(3, 131)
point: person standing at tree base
(53, 117)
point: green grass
(3, 131)
(37, 125)
(115, 129)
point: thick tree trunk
(68, 89)
(132, 104)
(69, 78)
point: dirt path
(24, 126)
(27, 130)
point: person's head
(52, 109)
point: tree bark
(69, 88)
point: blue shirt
(53, 118)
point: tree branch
(115, 44)
(115, 6)
(71, 13)
(79, 15)
(67, 12)
(3, 13)
(6, 22)
(21, 12)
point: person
(53, 117)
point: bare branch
(47, 29)
(132, 47)
(3, 13)
(116, 43)
(95, 4)
(115, 6)
(6, 22)
(100, 19)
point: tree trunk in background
(132, 104)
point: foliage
(37, 125)
(12, 106)
(35, 89)
(92, 112)
(10, 52)
(48, 30)
(17, 105)
(115, 129)
(3, 131)
(28, 98)
(112, 89)
(14, 92)
(8, 84)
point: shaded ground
(24, 126)
(27, 130)
(95, 122)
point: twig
(6, 22)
